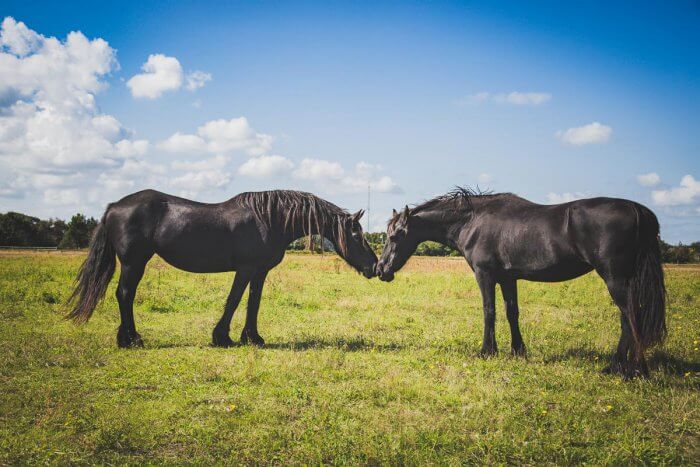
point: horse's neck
(438, 226)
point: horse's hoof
(613, 369)
(247, 337)
(518, 352)
(221, 341)
(129, 341)
(488, 353)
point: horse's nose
(378, 269)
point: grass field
(355, 371)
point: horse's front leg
(487, 284)
(220, 337)
(509, 289)
(250, 330)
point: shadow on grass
(357, 344)
(658, 360)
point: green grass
(355, 371)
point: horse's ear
(358, 215)
(406, 212)
(394, 213)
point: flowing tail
(94, 275)
(647, 290)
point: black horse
(505, 238)
(247, 234)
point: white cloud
(18, 38)
(319, 170)
(332, 177)
(49, 121)
(69, 196)
(235, 134)
(216, 162)
(131, 148)
(593, 133)
(386, 185)
(485, 178)
(160, 74)
(513, 98)
(687, 193)
(266, 166)
(191, 184)
(523, 98)
(650, 179)
(189, 144)
(220, 137)
(197, 79)
(557, 198)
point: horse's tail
(647, 292)
(94, 275)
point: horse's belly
(558, 272)
(203, 250)
(198, 258)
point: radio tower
(368, 191)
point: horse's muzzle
(384, 275)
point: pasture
(354, 371)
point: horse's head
(401, 242)
(353, 247)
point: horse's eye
(396, 236)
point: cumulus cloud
(593, 133)
(687, 193)
(265, 166)
(191, 184)
(557, 198)
(650, 179)
(18, 38)
(332, 177)
(183, 143)
(220, 137)
(162, 74)
(318, 169)
(197, 79)
(49, 121)
(216, 162)
(513, 98)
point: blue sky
(549, 101)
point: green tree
(78, 232)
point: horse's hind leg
(220, 337)
(618, 364)
(509, 289)
(129, 278)
(635, 365)
(250, 331)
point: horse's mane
(457, 201)
(287, 209)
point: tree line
(20, 230)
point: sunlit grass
(355, 371)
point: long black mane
(296, 212)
